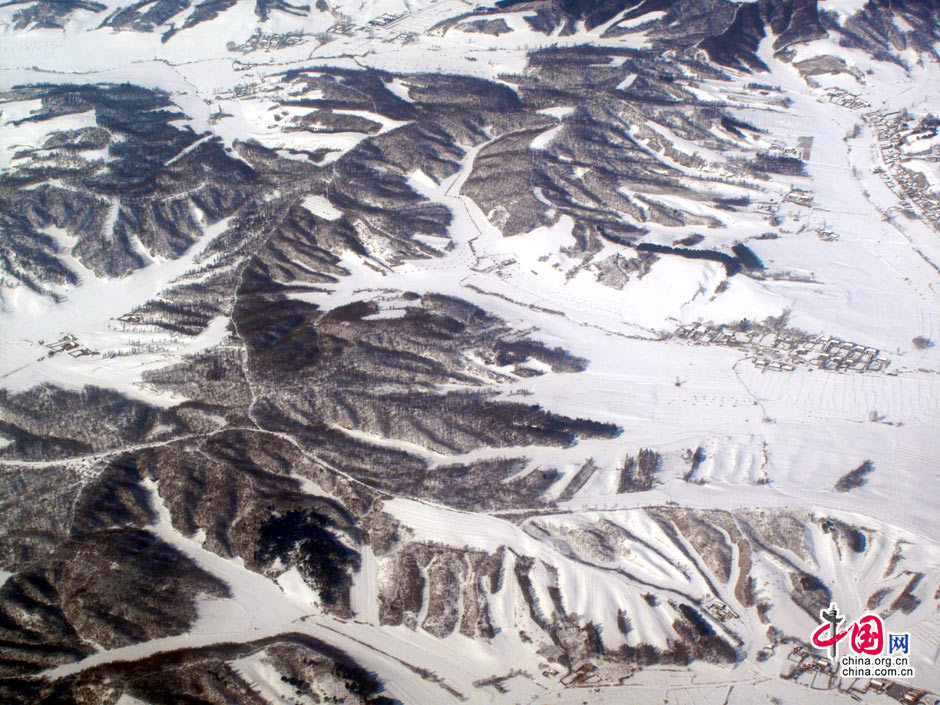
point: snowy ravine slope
(432, 352)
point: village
(348, 28)
(719, 610)
(894, 130)
(784, 351)
(68, 344)
(800, 197)
(811, 668)
(842, 97)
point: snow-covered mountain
(429, 351)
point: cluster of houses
(778, 149)
(348, 28)
(812, 668)
(584, 675)
(260, 40)
(720, 611)
(891, 129)
(345, 28)
(846, 99)
(386, 19)
(68, 344)
(838, 355)
(132, 322)
(785, 351)
(800, 197)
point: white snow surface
(89, 313)
(321, 207)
